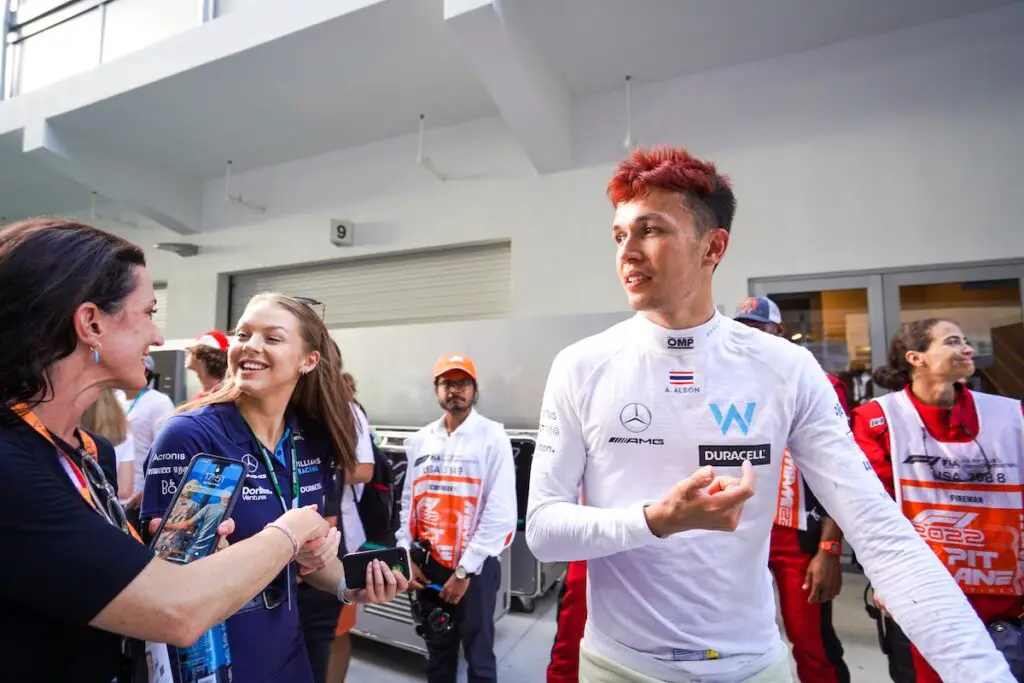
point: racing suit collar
(688, 341)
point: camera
(430, 613)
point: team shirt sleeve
(364, 440)
(558, 529)
(497, 521)
(916, 588)
(872, 435)
(175, 445)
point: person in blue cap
(806, 545)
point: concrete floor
(524, 644)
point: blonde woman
(107, 418)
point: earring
(96, 353)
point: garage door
(443, 284)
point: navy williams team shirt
(266, 645)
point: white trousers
(595, 668)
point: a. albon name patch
(757, 454)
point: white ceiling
(28, 188)
(592, 44)
(368, 75)
(363, 77)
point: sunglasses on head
(318, 306)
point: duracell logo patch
(733, 456)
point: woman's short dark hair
(214, 360)
(915, 335)
(48, 268)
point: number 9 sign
(341, 233)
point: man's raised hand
(702, 501)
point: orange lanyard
(88, 443)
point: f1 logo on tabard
(725, 421)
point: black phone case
(231, 504)
(355, 564)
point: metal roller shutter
(443, 284)
(160, 316)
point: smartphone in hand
(355, 564)
(205, 497)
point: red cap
(214, 339)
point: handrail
(22, 28)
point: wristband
(831, 547)
(340, 592)
(287, 532)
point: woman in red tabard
(952, 459)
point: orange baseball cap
(454, 362)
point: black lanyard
(267, 462)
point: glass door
(839, 320)
(986, 301)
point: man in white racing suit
(674, 423)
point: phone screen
(204, 499)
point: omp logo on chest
(733, 456)
(738, 416)
(679, 342)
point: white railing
(45, 41)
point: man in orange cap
(459, 502)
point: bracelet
(340, 592)
(287, 532)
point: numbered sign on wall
(342, 233)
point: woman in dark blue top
(283, 412)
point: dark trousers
(318, 614)
(474, 630)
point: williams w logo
(732, 415)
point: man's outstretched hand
(702, 501)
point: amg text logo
(733, 456)
(636, 440)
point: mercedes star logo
(250, 463)
(635, 417)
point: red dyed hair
(707, 193)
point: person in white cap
(207, 357)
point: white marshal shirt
(460, 489)
(630, 412)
